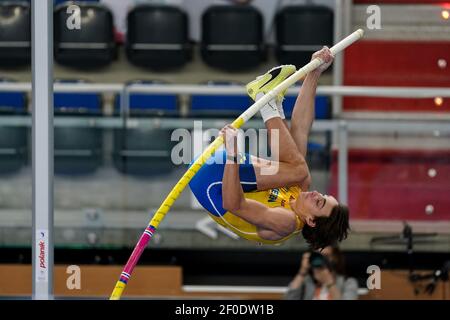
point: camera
(317, 260)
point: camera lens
(317, 260)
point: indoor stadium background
(112, 141)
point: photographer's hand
(302, 272)
(304, 267)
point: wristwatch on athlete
(235, 158)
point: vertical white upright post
(347, 25)
(342, 26)
(42, 95)
(343, 162)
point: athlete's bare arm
(272, 223)
(303, 113)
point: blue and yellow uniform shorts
(207, 183)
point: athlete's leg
(289, 167)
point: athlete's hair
(328, 230)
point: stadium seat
(145, 104)
(15, 34)
(78, 150)
(158, 37)
(58, 2)
(77, 103)
(12, 102)
(90, 46)
(219, 105)
(13, 140)
(302, 30)
(13, 149)
(143, 152)
(232, 37)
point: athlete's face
(314, 205)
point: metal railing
(365, 91)
(339, 127)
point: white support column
(42, 128)
(343, 162)
(342, 27)
(347, 23)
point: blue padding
(148, 102)
(219, 103)
(314, 146)
(88, 102)
(13, 101)
(57, 2)
(322, 106)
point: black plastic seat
(158, 37)
(232, 37)
(302, 30)
(13, 149)
(15, 34)
(143, 152)
(78, 151)
(13, 140)
(58, 2)
(90, 46)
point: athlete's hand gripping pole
(182, 183)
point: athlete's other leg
(290, 168)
